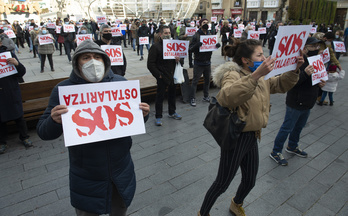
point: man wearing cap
(102, 177)
(299, 101)
(202, 64)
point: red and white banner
(51, 25)
(118, 21)
(237, 19)
(45, 39)
(5, 68)
(101, 19)
(143, 40)
(209, 43)
(268, 25)
(253, 35)
(213, 19)
(31, 28)
(116, 31)
(227, 35)
(190, 31)
(68, 28)
(229, 25)
(173, 48)
(58, 29)
(237, 33)
(123, 27)
(10, 34)
(192, 23)
(262, 30)
(339, 46)
(313, 30)
(290, 40)
(241, 26)
(319, 69)
(82, 37)
(252, 23)
(326, 55)
(197, 22)
(101, 111)
(115, 54)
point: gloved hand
(218, 45)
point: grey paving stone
(322, 160)
(343, 211)
(61, 205)
(263, 184)
(45, 178)
(331, 174)
(336, 197)
(43, 161)
(319, 210)
(260, 207)
(287, 210)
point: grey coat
(46, 48)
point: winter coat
(45, 48)
(182, 34)
(94, 167)
(201, 58)
(224, 30)
(239, 89)
(332, 82)
(154, 26)
(69, 36)
(7, 42)
(10, 94)
(33, 35)
(143, 31)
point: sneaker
(175, 116)
(193, 102)
(320, 103)
(237, 209)
(3, 148)
(141, 58)
(297, 152)
(158, 122)
(27, 143)
(331, 103)
(278, 157)
(206, 99)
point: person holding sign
(202, 64)
(102, 177)
(299, 101)
(45, 47)
(243, 86)
(163, 70)
(11, 108)
(69, 38)
(184, 36)
(143, 31)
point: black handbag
(223, 124)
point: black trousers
(21, 127)
(245, 156)
(43, 59)
(161, 90)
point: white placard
(268, 25)
(237, 33)
(143, 40)
(192, 23)
(262, 30)
(339, 46)
(173, 48)
(101, 111)
(190, 31)
(237, 19)
(213, 19)
(290, 40)
(68, 28)
(58, 29)
(241, 26)
(51, 25)
(253, 35)
(227, 35)
(5, 68)
(319, 69)
(45, 39)
(326, 55)
(252, 23)
(31, 28)
(209, 43)
(101, 19)
(313, 30)
(229, 25)
(10, 34)
(115, 54)
(118, 21)
(116, 31)
(123, 27)
(82, 37)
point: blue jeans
(134, 43)
(142, 47)
(323, 96)
(294, 122)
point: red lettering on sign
(114, 52)
(176, 47)
(290, 45)
(3, 61)
(318, 66)
(209, 41)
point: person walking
(184, 36)
(102, 177)
(224, 39)
(135, 37)
(45, 49)
(33, 34)
(242, 85)
(143, 31)
(19, 34)
(163, 71)
(69, 38)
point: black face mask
(312, 53)
(107, 36)
(205, 27)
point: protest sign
(51, 25)
(213, 19)
(115, 54)
(241, 26)
(237, 19)
(58, 29)
(173, 48)
(290, 40)
(197, 22)
(10, 34)
(339, 46)
(227, 35)
(45, 39)
(116, 31)
(31, 28)
(101, 111)
(190, 31)
(143, 40)
(192, 23)
(237, 33)
(262, 30)
(268, 25)
(101, 19)
(209, 43)
(230, 25)
(253, 35)
(319, 69)
(313, 30)
(82, 37)
(68, 28)
(5, 68)
(326, 56)
(252, 23)
(123, 27)
(118, 21)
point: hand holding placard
(266, 67)
(57, 111)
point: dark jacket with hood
(201, 58)
(144, 31)
(303, 95)
(10, 94)
(94, 167)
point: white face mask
(93, 70)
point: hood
(220, 71)
(88, 46)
